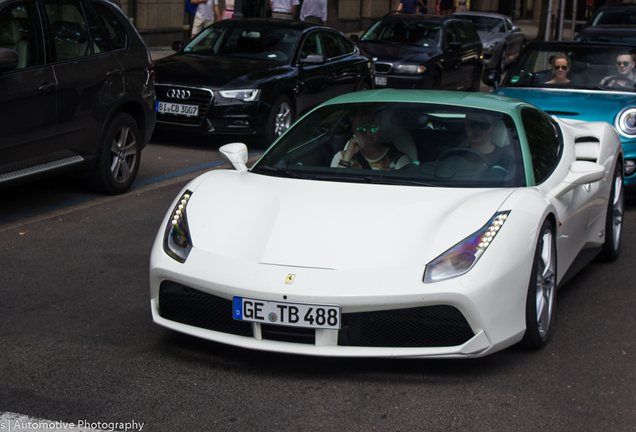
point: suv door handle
(114, 72)
(45, 87)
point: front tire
(280, 118)
(541, 298)
(119, 156)
(614, 218)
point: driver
(365, 149)
(626, 78)
(479, 130)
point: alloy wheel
(123, 152)
(546, 283)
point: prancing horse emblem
(290, 279)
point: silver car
(501, 39)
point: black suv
(77, 92)
(424, 52)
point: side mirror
(581, 172)
(177, 45)
(354, 37)
(236, 154)
(8, 60)
(453, 46)
(492, 78)
(313, 59)
(516, 28)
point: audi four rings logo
(178, 94)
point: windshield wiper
(280, 172)
(374, 180)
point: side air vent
(587, 148)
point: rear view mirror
(581, 172)
(177, 45)
(492, 78)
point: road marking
(12, 422)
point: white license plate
(178, 109)
(380, 81)
(288, 314)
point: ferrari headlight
(176, 241)
(459, 259)
(411, 69)
(242, 95)
(626, 122)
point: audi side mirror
(313, 59)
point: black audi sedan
(413, 51)
(253, 77)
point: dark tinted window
(116, 31)
(99, 41)
(337, 45)
(544, 140)
(312, 45)
(427, 34)
(68, 28)
(20, 32)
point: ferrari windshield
(400, 143)
(238, 39)
(423, 34)
(608, 67)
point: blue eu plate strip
(238, 308)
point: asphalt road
(77, 340)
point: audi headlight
(626, 122)
(242, 95)
(176, 241)
(411, 69)
(459, 259)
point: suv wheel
(119, 156)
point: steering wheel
(466, 153)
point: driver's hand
(354, 147)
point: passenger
(561, 66)
(365, 149)
(479, 131)
(626, 78)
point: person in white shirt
(205, 14)
(314, 11)
(284, 9)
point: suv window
(116, 32)
(544, 140)
(20, 32)
(68, 29)
(99, 43)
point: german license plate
(288, 314)
(380, 81)
(178, 109)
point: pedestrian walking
(314, 11)
(284, 9)
(205, 14)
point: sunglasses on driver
(623, 64)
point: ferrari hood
(215, 71)
(332, 225)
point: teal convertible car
(579, 81)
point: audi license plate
(289, 314)
(380, 81)
(177, 109)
